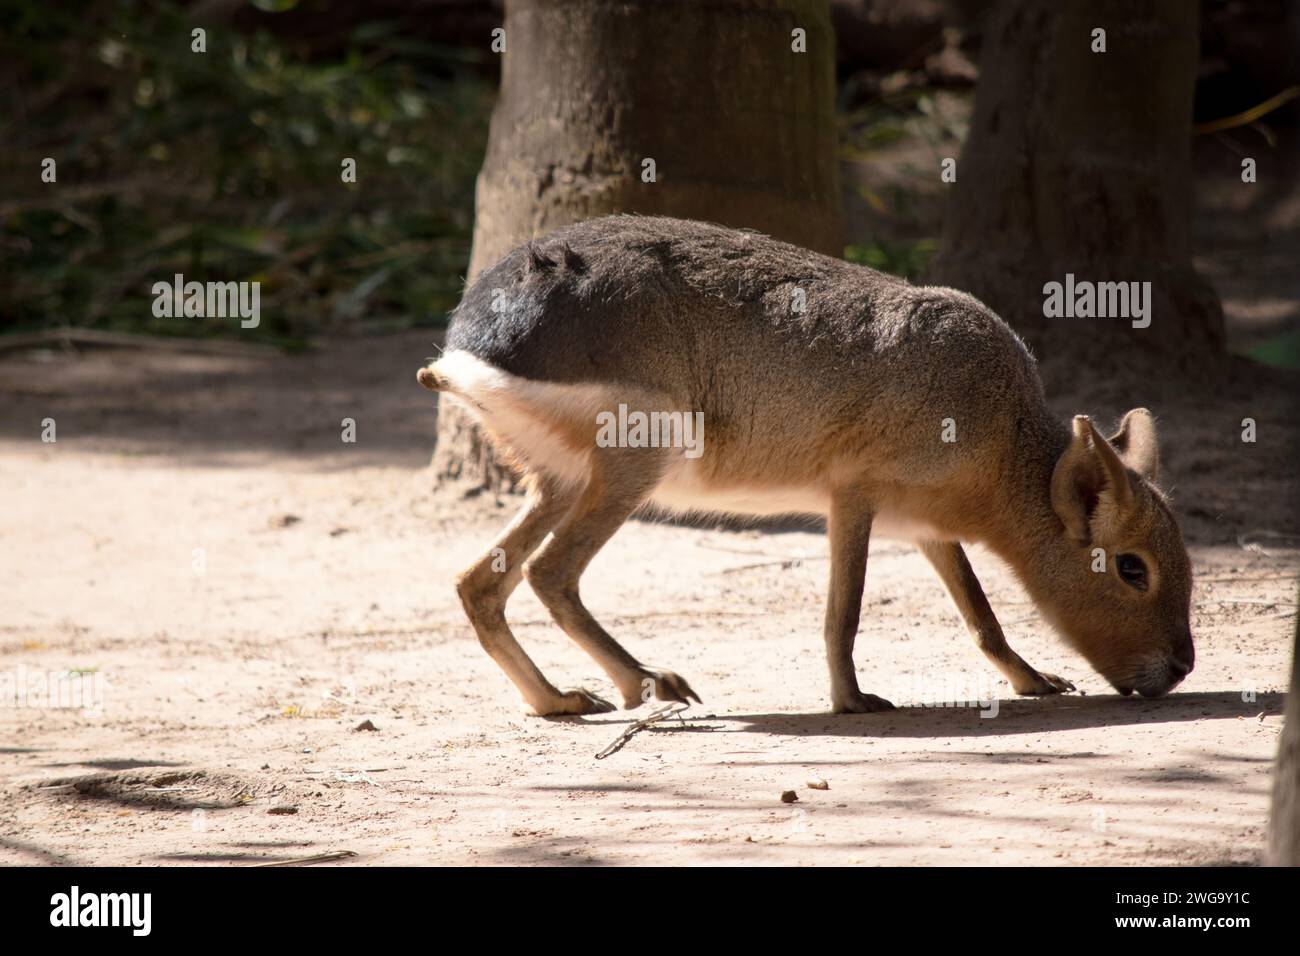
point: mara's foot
(574, 702)
(856, 702)
(1036, 684)
(659, 685)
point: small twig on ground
(308, 860)
(718, 547)
(785, 565)
(663, 713)
(1270, 617)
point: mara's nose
(1183, 659)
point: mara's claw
(661, 685)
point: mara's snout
(1163, 674)
(760, 379)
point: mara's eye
(1132, 570)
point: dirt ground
(235, 591)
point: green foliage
(1280, 351)
(901, 132)
(226, 165)
(900, 257)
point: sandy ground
(235, 591)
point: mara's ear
(1086, 469)
(1136, 443)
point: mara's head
(1124, 594)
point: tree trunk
(1284, 819)
(1079, 162)
(740, 128)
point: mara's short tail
(431, 380)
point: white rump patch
(522, 412)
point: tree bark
(1079, 162)
(741, 129)
(1284, 818)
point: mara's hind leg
(954, 570)
(487, 584)
(620, 481)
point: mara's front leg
(849, 532)
(958, 577)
